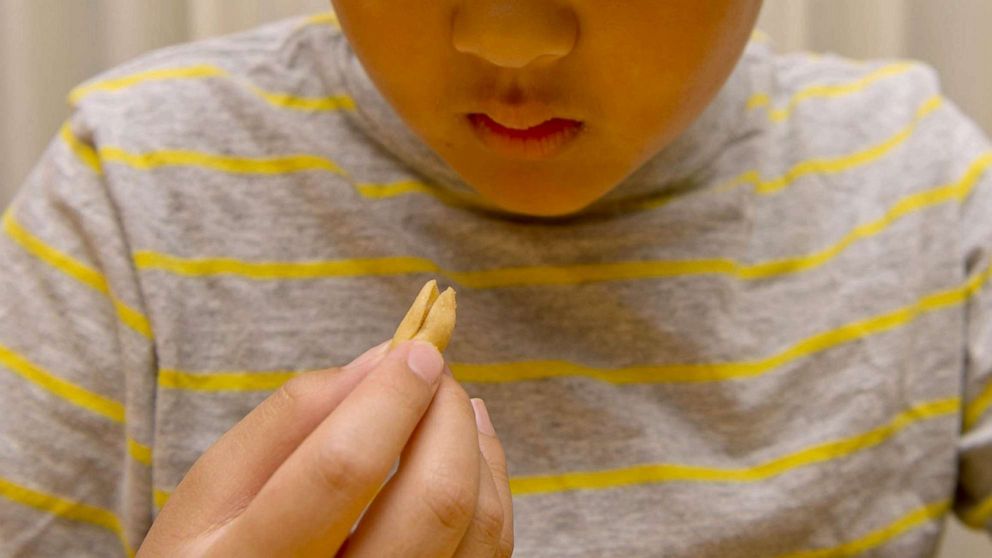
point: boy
(721, 302)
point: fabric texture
(773, 340)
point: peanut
(430, 318)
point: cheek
(654, 90)
(403, 44)
(412, 79)
(639, 102)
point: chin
(532, 206)
(531, 192)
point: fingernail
(482, 420)
(425, 361)
(370, 356)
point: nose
(514, 33)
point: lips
(536, 142)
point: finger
(495, 458)
(225, 478)
(484, 533)
(427, 506)
(317, 494)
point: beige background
(47, 46)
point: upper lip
(520, 117)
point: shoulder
(191, 92)
(807, 89)
(889, 115)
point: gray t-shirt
(773, 340)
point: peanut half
(431, 318)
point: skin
(637, 73)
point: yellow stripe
(132, 318)
(204, 71)
(760, 37)
(759, 100)
(113, 85)
(405, 187)
(834, 165)
(312, 104)
(65, 508)
(978, 516)
(881, 536)
(665, 472)
(827, 91)
(60, 261)
(160, 497)
(84, 151)
(75, 269)
(564, 275)
(974, 410)
(647, 203)
(140, 452)
(485, 279)
(223, 163)
(327, 18)
(281, 270)
(68, 391)
(223, 381)
(392, 190)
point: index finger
(318, 494)
(232, 471)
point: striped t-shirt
(773, 340)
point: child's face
(625, 76)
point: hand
(296, 474)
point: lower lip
(540, 142)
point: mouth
(539, 142)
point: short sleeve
(973, 152)
(77, 367)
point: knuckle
(452, 504)
(483, 546)
(498, 469)
(341, 471)
(292, 393)
(489, 521)
(410, 402)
